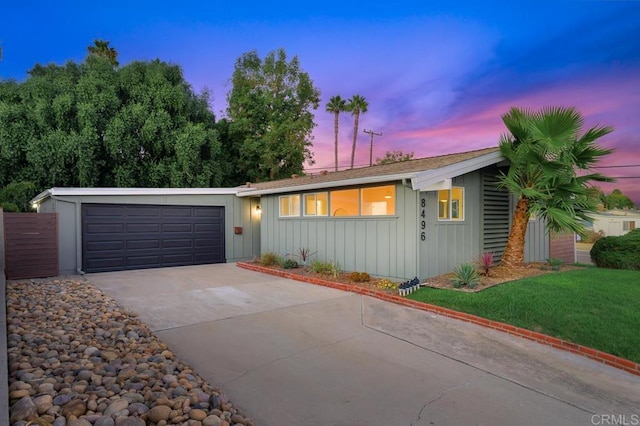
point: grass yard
(598, 308)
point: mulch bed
(497, 275)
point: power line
(613, 167)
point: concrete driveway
(290, 353)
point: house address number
(423, 223)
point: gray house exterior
(107, 229)
(440, 212)
(418, 218)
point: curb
(594, 354)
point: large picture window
(451, 204)
(316, 204)
(290, 205)
(345, 202)
(379, 201)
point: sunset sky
(437, 76)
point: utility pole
(372, 134)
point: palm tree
(356, 105)
(549, 157)
(101, 49)
(336, 105)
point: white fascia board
(325, 185)
(424, 180)
(134, 191)
(443, 184)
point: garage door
(117, 237)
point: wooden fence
(31, 245)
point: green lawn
(598, 308)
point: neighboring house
(615, 222)
(419, 218)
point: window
(289, 205)
(316, 204)
(451, 204)
(345, 202)
(628, 225)
(379, 201)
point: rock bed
(76, 358)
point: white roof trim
(322, 185)
(426, 180)
(134, 191)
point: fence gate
(31, 245)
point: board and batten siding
(451, 243)
(239, 212)
(384, 246)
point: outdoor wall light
(258, 208)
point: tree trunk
(335, 129)
(355, 137)
(514, 252)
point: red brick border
(612, 360)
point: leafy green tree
(391, 157)
(15, 196)
(336, 105)
(356, 105)
(546, 150)
(93, 124)
(270, 109)
(617, 200)
(101, 49)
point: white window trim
(290, 205)
(464, 205)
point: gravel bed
(76, 358)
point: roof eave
(53, 192)
(425, 181)
(332, 184)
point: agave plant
(465, 275)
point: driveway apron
(291, 353)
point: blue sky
(437, 75)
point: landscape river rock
(76, 358)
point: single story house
(419, 218)
(615, 222)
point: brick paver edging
(612, 360)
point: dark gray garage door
(117, 237)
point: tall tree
(547, 154)
(270, 108)
(336, 105)
(617, 200)
(356, 105)
(394, 157)
(93, 124)
(101, 49)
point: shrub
(621, 252)
(359, 277)
(320, 267)
(387, 284)
(269, 258)
(289, 264)
(555, 263)
(465, 274)
(485, 261)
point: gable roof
(425, 174)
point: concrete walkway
(290, 353)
